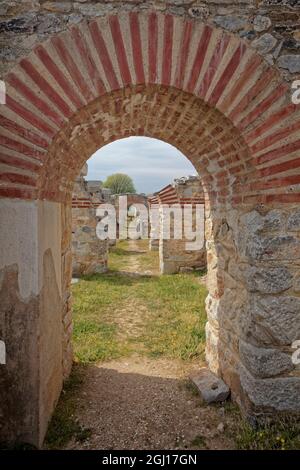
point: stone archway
(213, 97)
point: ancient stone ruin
(89, 252)
(174, 253)
(216, 80)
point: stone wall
(133, 224)
(270, 26)
(89, 252)
(253, 305)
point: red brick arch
(195, 86)
(207, 93)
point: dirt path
(142, 403)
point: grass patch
(119, 256)
(199, 442)
(175, 326)
(63, 425)
(281, 434)
(96, 300)
(95, 341)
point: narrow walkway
(139, 401)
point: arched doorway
(209, 94)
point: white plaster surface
(27, 229)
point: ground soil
(143, 403)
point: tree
(119, 183)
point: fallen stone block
(211, 388)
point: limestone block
(268, 280)
(280, 394)
(231, 23)
(211, 388)
(261, 23)
(262, 362)
(293, 222)
(265, 43)
(290, 62)
(271, 320)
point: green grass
(281, 434)
(119, 256)
(95, 341)
(278, 433)
(173, 325)
(63, 426)
(199, 442)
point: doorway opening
(138, 310)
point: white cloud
(151, 163)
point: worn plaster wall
(31, 308)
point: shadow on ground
(144, 404)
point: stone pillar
(254, 321)
(154, 222)
(175, 254)
(89, 253)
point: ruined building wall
(272, 27)
(174, 254)
(127, 229)
(89, 252)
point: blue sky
(151, 163)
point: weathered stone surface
(262, 362)
(265, 43)
(94, 9)
(231, 23)
(293, 222)
(199, 11)
(256, 223)
(280, 394)
(297, 284)
(61, 7)
(268, 280)
(22, 24)
(283, 247)
(290, 62)
(272, 320)
(211, 388)
(261, 23)
(274, 220)
(50, 23)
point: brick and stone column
(89, 253)
(177, 255)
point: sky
(151, 163)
